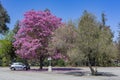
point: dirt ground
(81, 73)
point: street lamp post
(49, 67)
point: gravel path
(111, 73)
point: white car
(19, 66)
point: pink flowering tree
(34, 34)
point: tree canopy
(34, 33)
(4, 18)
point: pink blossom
(34, 33)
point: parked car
(19, 66)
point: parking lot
(111, 73)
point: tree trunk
(93, 71)
(26, 62)
(41, 63)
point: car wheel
(24, 68)
(12, 68)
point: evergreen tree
(118, 45)
(16, 27)
(88, 31)
(103, 19)
(95, 42)
(4, 18)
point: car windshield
(18, 64)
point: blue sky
(66, 9)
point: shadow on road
(56, 69)
(79, 73)
(73, 71)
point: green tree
(107, 47)
(88, 39)
(16, 27)
(103, 19)
(4, 18)
(118, 45)
(95, 42)
(6, 47)
(63, 41)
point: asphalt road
(110, 73)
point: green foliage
(4, 18)
(5, 49)
(9, 36)
(7, 54)
(58, 62)
(103, 19)
(117, 44)
(95, 41)
(5, 61)
(90, 44)
(88, 37)
(76, 57)
(63, 39)
(16, 27)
